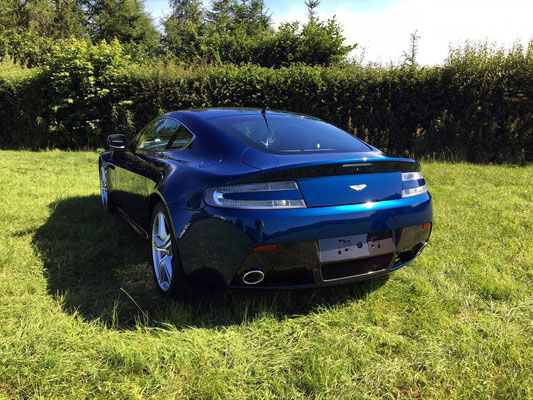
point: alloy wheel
(162, 251)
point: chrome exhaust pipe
(424, 244)
(253, 277)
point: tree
(124, 20)
(312, 5)
(240, 31)
(250, 16)
(185, 29)
(222, 15)
(69, 19)
(29, 28)
(187, 10)
(228, 32)
(322, 43)
(235, 30)
(410, 55)
(44, 18)
(253, 15)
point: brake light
(266, 247)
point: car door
(137, 165)
(121, 162)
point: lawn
(80, 318)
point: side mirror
(117, 142)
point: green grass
(456, 323)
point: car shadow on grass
(99, 268)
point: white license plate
(350, 247)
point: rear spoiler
(337, 168)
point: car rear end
(360, 219)
(317, 225)
(321, 208)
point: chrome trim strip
(133, 224)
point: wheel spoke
(162, 233)
(163, 271)
(168, 269)
(103, 187)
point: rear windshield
(282, 134)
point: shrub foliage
(477, 106)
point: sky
(381, 28)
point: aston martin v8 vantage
(255, 198)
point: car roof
(210, 113)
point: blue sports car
(259, 198)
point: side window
(181, 139)
(157, 135)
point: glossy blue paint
(335, 190)
(213, 242)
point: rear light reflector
(411, 176)
(266, 247)
(426, 225)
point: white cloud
(385, 33)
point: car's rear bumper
(216, 245)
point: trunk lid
(336, 178)
(351, 189)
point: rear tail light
(266, 247)
(256, 196)
(413, 184)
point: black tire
(178, 288)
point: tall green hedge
(20, 101)
(477, 106)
